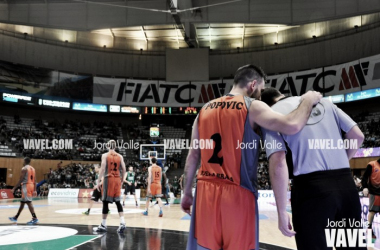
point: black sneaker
(121, 228)
(100, 228)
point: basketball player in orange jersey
(224, 213)
(154, 186)
(371, 185)
(113, 170)
(28, 191)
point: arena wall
(42, 167)
(14, 166)
(50, 114)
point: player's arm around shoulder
(260, 113)
(289, 124)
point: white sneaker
(100, 228)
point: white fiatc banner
(371, 72)
(206, 91)
(354, 76)
(297, 83)
(276, 81)
(339, 79)
(133, 92)
(63, 193)
(343, 78)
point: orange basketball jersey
(113, 163)
(30, 175)
(112, 182)
(156, 174)
(375, 175)
(234, 156)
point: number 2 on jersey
(218, 147)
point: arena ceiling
(203, 31)
(160, 24)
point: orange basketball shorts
(155, 190)
(224, 216)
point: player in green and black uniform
(96, 195)
(176, 187)
(130, 184)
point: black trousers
(320, 197)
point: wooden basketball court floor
(63, 226)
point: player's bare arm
(123, 170)
(102, 169)
(149, 178)
(35, 189)
(124, 178)
(354, 134)
(278, 172)
(23, 173)
(100, 182)
(192, 161)
(290, 124)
